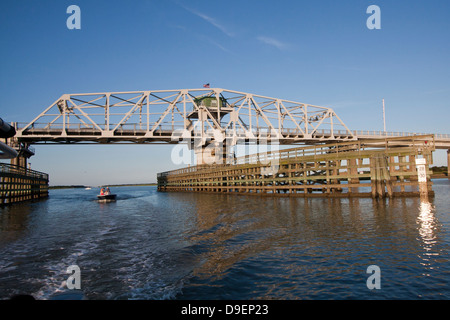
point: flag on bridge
(206, 85)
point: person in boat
(107, 191)
(102, 192)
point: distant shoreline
(106, 185)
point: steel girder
(167, 116)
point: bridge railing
(142, 128)
(15, 169)
(374, 133)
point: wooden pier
(18, 184)
(377, 169)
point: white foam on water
(56, 280)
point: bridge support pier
(213, 153)
(20, 161)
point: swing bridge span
(208, 115)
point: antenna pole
(384, 118)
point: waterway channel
(152, 245)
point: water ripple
(150, 245)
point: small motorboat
(106, 197)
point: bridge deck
(135, 134)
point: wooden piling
(332, 170)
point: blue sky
(316, 52)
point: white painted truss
(165, 116)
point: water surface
(151, 245)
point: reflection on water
(150, 245)
(428, 225)
(14, 220)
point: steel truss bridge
(168, 116)
(159, 116)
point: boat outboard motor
(6, 131)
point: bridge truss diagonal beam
(154, 116)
